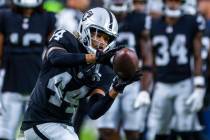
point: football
(125, 63)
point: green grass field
(88, 131)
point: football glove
(142, 99)
(119, 84)
(195, 100)
(105, 57)
(88, 75)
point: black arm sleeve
(98, 105)
(65, 59)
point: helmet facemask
(92, 43)
(97, 42)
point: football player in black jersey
(72, 64)
(205, 54)
(179, 90)
(74, 10)
(129, 110)
(206, 65)
(24, 31)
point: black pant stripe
(36, 130)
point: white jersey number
(58, 35)
(57, 84)
(27, 38)
(177, 49)
(128, 38)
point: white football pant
(169, 102)
(51, 131)
(14, 104)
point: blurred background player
(204, 9)
(133, 33)
(178, 90)
(204, 113)
(139, 5)
(24, 31)
(69, 17)
(3, 5)
(190, 7)
(154, 8)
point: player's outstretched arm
(100, 102)
(60, 57)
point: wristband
(199, 81)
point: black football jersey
(130, 29)
(58, 90)
(24, 40)
(173, 47)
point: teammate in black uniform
(179, 90)
(70, 65)
(133, 33)
(24, 31)
(206, 63)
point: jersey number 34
(177, 49)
